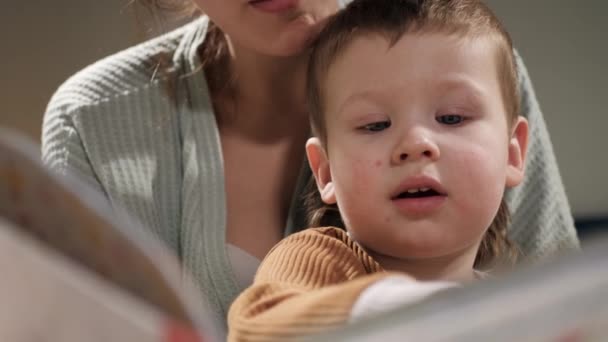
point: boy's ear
(319, 164)
(518, 144)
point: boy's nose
(415, 148)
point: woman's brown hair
(392, 19)
(212, 53)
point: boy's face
(419, 150)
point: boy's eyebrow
(358, 96)
(444, 84)
(370, 95)
(456, 82)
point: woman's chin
(295, 39)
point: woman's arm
(541, 222)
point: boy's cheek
(363, 176)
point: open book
(564, 299)
(73, 269)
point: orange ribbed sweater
(306, 284)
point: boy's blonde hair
(469, 19)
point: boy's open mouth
(417, 193)
(419, 187)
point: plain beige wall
(43, 42)
(562, 42)
(565, 48)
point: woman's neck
(266, 96)
(269, 81)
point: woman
(200, 134)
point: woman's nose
(415, 146)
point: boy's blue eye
(376, 126)
(450, 119)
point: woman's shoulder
(126, 72)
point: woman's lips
(273, 6)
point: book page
(66, 215)
(563, 299)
